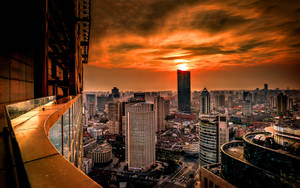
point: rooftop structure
(260, 162)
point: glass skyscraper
(184, 91)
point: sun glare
(183, 67)
(180, 61)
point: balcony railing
(48, 134)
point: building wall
(140, 136)
(16, 78)
(209, 147)
(210, 180)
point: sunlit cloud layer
(143, 34)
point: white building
(140, 136)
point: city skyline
(225, 44)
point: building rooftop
(103, 148)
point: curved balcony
(44, 164)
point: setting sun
(183, 67)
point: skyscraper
(213, 134)
(282, 103)
(205, 102)
(114, 117)
(184, 91)
(115, 92)
(159, 108)
(247, 103)
(139, 136)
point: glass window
(55, 135)
(66, 132)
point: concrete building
(209, 147)
(204, 102)
(102, 101)
(247, 103)
(213, 134)
(263, 159)
(159, 109)
(140, 136)
(282, 104)
(115, 92)
(102, 153)
(184, 91)
(114, 113)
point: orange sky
(138, 44)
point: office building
(115, 92)
(204, 102)
(102, 101)
(184, 91)
(247, 103)
(282, 104)
(263, 159)
(213, 133)
(102, 153)
(140, 136)
(160, 114)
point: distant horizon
(271, 89)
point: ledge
(44, 165)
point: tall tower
(139, 136)
(247, 103)
(213, 134)
(282, 104)
(184, 91)
(205, 102)
(159, 109)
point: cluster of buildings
(226, 130)
(136, 118)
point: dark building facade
(184, 91)
(115, 92)
(45, 47)
(282, 104)
(258, 161)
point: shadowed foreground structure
(41, 80)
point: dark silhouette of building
(115, 92)
(184, 91)
(282, 104)
(44, 48)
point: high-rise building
(223, 132)
(115, 92)
(213, 133)
(160, 114)
(260, 159)
(184, 91)
(140, 136)
(266, 92)
(114, 117)
(247, 103)
(204, 102)
(282, 104)
(102, 101)
(91, 105)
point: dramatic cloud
(207, 34)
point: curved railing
(46, 165)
